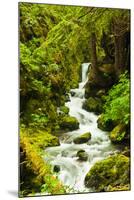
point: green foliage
(117, 106)
(52, 186)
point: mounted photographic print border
(74, 99)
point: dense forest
(54, 43)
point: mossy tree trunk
(95, 75)
(93, 54)
(94, 71)
(122, 45)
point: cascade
(73, 171)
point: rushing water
(73, 171)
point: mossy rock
(90, 90)
(44, 139)
(69, 123)
(118, 134)
(82, 138)
(113, 171)
(67, 98)
(101, 93)
(93, 105)
(105, 125)
(83, 156)
(64, 109)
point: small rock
(72, 93)
(56, 168)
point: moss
(118, 188)
(93, 105)
(69, 123)
(113, 171)
(118, 134)
(82, 138)
(64, 109)
(44, 139)
(105, 125)
(37, 170)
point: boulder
(69, 123)
(113, 171)
(118, 134)
(83, 156)
(82, 138)
(105, 125)
(93, 105)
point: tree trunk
(93, 75)
(119, 55)
(93, 48)
(121, 43)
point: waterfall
(85, 69)
(73, 171)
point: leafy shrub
(117, 106)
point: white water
(73, 171)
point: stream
(73, 171)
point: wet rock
(82, 138)
(72, 93)
(113, 171)
(83, 156)
(67, 98)
(56, 168)
(69, 123)
(93, 105)
(105, 125)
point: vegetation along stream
(74, 99)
